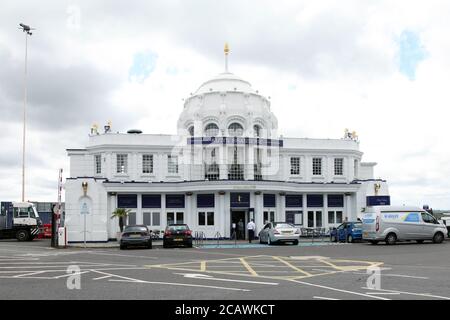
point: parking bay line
(339, 290)
(207, 277)
(411, 293)
(127, 279)
(324, 298)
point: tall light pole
(27, 30)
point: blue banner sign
(378, 201)
(236, 140)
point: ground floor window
(314, 219)
(269, 216)
(175, 218)
(294, 217)
(131, 218)
(152, 218)
(335, 217)
(206, 218)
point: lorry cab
(19, 220)
(401, 223)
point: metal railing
(199, 238)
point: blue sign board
(240, 200)
(378, 201)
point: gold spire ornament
(226, 50)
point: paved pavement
(33, 270)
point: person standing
(240, 229)
(251, 227)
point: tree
(121, 214)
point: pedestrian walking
(240, 229)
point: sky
(379, 68)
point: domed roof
(225, 82)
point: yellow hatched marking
(293, 267)
(203, 266)
(247, 266)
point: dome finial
(226, 50)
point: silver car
(276, 232)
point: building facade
(225, 164)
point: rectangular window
(151, 218)
(122, 163)
(294, 217)
(206, 218)
(295, 165)
(156, 218)
(172, 164)
(317, 166)
(338, 166)
(331, 217)
(269, 216)
(318, 218)
(98, 163)
(147, 163)
(338, 216)
(175, 217)
(131, 218)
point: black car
(136, 235)
(177, 235)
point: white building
(226, 163)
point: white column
(163, 211)
(189, 212)
(347, 206)
(325, 211)
(281, 215)
(139, 215)
(305, 210)
(259, 212)
(226, 213)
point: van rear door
(369, 223)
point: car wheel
(391, 238)
(419, 241)
(373, 242)
(149, 246)
(123, 247)
(350, 238)
(22, 235)
(296, 243)
(438, 237)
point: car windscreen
(135, 229)
(177, 228)
(283, 225)
(357, 225)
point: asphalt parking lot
(33, 270)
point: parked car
(276, 232)
(177, 235)
(392, 224)
(347, 231)
(135, 235)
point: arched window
(257, 130)
(211, 130)
(235, 130)
(191, 131)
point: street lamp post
(27, 30)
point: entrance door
(238, 219)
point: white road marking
(338, 290)
(28, 274)
(412, 293)
(121, 255)
(324, 298)
(208, 277)
(385, 293)
(395, 275)
(127, 279)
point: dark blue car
(348, 231)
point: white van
(398, 223)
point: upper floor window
(98, 163)
(191, 131)
(235, 129)
(295, 165)
(211, 130)
(172, 164)
(338, 166)
(257, 130)
(147, 163)
(317, 166)
(122, 163)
